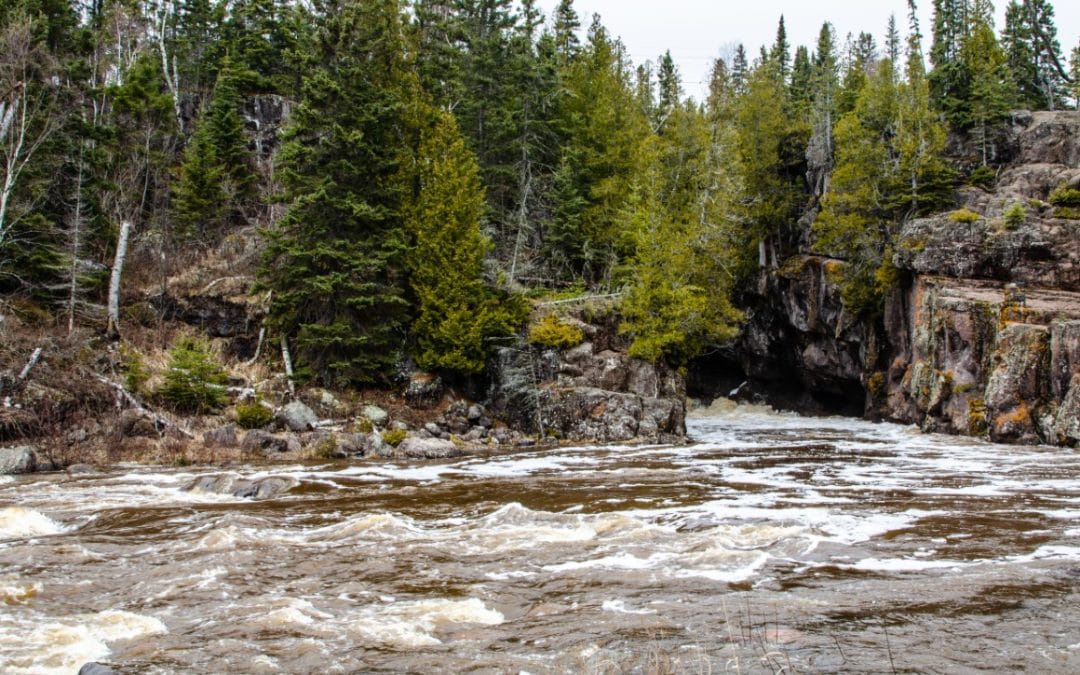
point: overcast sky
(698, 31)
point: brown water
(772, 544)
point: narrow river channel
(771, 543)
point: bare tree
(26, 99)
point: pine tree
(566, 26)
(669, 89)
(216, 181)
(824, 93)
(780, 54)
(740, 70)
(990, 92)
(800, 90)
(1016, 40)
(456, 315)
(336, 261)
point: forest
(446, 162)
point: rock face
(22, 459)
(982, 338)
(593, 392)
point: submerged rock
(234, 485)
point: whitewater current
(769, 543)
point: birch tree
(26, 119)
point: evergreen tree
(800, 90)
(669, 90)
(216, 181)
(990, 91)
(824, 93)
(1074, 71)
(456, 315)
(780, 54)
(1016, 40)
(677, 303)
(740, 69)
(567, 25)
(336, 261)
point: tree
(456, 315)
(990, 93)
(780, 54)
(1033, 54)
(336, 262)
(27, 121)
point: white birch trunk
(113, 329)
(287, 358)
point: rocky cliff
(981, 338)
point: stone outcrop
(592, 392)
(22, 459)
(982, 337)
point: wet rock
(1067, 423)
(135, 424)
(424, 390)
(21, 459)
(1018, 383)
(376, 415)
(225, 437)
(427, 448)
(96, 669)
(373, 445)
(233, 485)
(82, 470)
(297, 416)
(265, 442)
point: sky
(699, 31)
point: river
(771, 543)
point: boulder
(427, 448)
(234, 485)
(376, 415)
(424, 390)
(225, 437)
(297, 416)
(96, 669)
(135, 424)
(258, 440)
(373, 445)
(20, 459)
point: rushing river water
(772, 543)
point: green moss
(551, 332)
(327, 448)
(394, 437)
(977, 417)
(1066, 212)
(253, 415)
(365, 426)
(1065, 196)
(876, 385)
(964, 216)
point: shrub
(551, 332)
(1015, 216)
(983, 176)
(194, 382)
(135, 373)
(394, 437)
(1065, 196)
(1067, 213)
(964, 216)
(253, 415)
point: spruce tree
(456, 315)
(990, 91)
(336, 261)
(740, 70)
